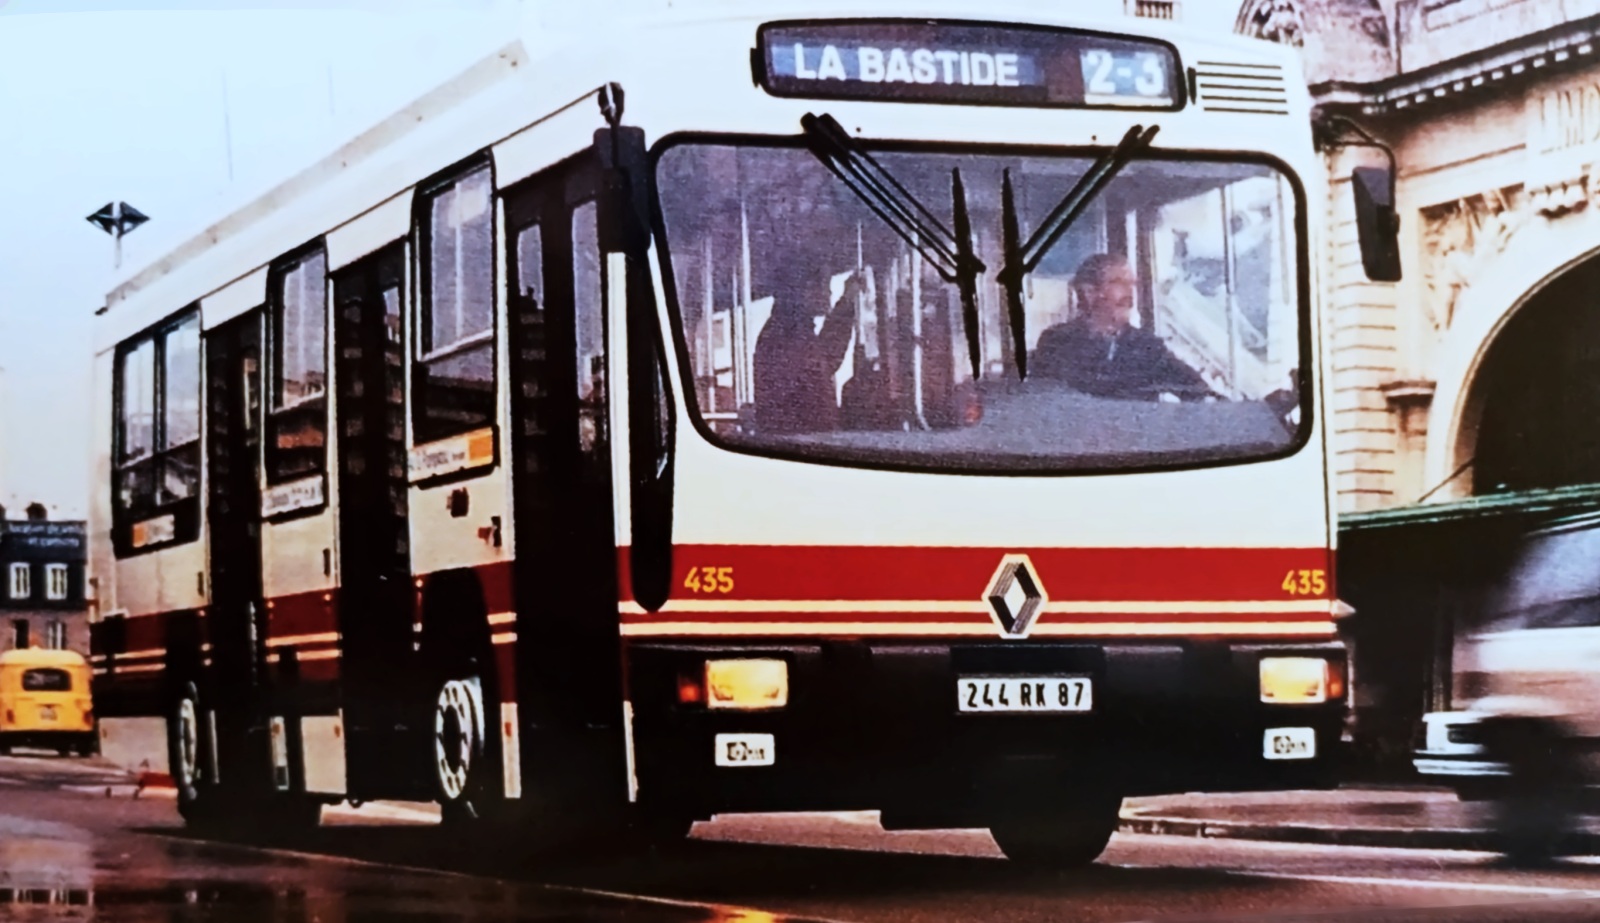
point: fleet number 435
(709, 580)
(1305, 582)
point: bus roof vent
(1223, 87)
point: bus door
(565, 543)
(237, 616)
(381, 710)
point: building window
(21, 582)
(55, 581)
(157, 433)
(55, 635)
(19, 634)
(454, 374)
(298, 425)
(1153, 9)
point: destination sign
(921, 61)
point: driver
(1100, 352)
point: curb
(1472, 840)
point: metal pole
(227, 124)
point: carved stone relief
(1459, 237)
(1274, 20)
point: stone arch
(1538, 256)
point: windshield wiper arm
(1023, 258)
(950, 254)
(881, 192)
(1011, 280)
(968, 266)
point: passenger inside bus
(795, 361)
(1100, 352)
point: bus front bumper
(876, 725)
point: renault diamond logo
(1015, 596)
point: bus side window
(157, 436)
(453, 378)
(298, 422)
(590, 329)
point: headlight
(1298, 680)
(747, 684)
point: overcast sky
(98, 105)
(124, 99)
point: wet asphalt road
(68, 851)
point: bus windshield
(1163, 328)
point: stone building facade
(1465, 395)
(1492, 108)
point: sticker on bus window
(456, 453)
(295, 495)
(155, 531)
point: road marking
(1425, 883)
(722, 911)
(1421, 883)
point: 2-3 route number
(709, 580)
(1305, 582)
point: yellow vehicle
(45, 701)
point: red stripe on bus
(146, 632)
(497, 586)
(309, 613)
(974, 618)
(776, 572)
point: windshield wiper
(968, 267)
(950, 254)
(1023, 258)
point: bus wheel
(1059, 836)
(185, 744)
(460, 753)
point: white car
(1530, 671)
(1453, 755)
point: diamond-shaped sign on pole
(1015, 596)
(118, 218)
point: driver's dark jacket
(1134, 363)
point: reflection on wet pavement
(125, 860)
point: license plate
(745, 750)
(47, 713)
(1289, 744)
(1024, 693)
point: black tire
(1056, 836)
(1535, 811)
(464, 759)
(210, 809)
(186, 748)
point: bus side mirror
(1377, 222)
(625, 189)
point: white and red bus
(726, 413)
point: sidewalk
(1415, 818)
